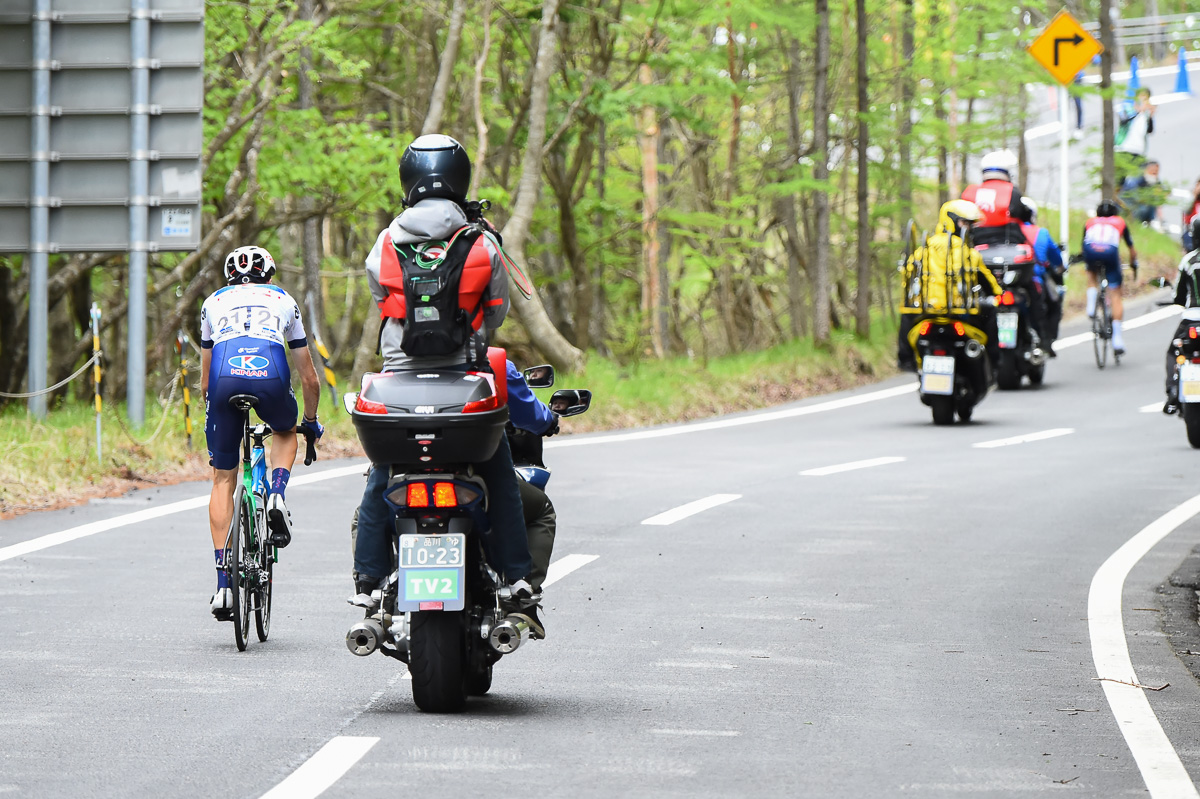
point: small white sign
(177, 222)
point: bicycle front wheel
(237, 548)
(1100, 333)
(266, 576)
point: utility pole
(1108, 176)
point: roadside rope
(27, 395)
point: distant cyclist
(244, 329)
(1102, 237)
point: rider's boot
(279, 519)
(365, 589)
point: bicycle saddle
(243, 402)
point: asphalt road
(916, 627)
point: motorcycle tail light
(923, 328)
(1008, 298)
(1193, 332)
(479, 406)
(960, 328)
(444, 495)
(939, 352)
(465, 495)
(418, 495)
(364, 405)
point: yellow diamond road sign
(1064, 48)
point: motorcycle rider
(1102, 237)
(244, 328)
(1187, 294)
(944, 277)
(1049, 273)
(435, 173)
(998, 200)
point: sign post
(1063, 49)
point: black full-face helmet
(1195, 226)
(1108, 208)
(435, 166)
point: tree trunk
(649, 136)
(1108, 177)
(441, 87)
(787, 203)
(314, 305)
(481, 128)
(532, 314)
(862, 317)
(907, 92)
(821, 174)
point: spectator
(1131, 140)
(1077, 98)
(1144, 194)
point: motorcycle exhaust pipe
(364, 637)
(973, 349)
(507, 636)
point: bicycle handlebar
(310, 449)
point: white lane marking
(700, 733)
(849, 467)
(84, 530)
(564, 566)
(1042, 130)
(690, 509)
(323, 769)
(719, 424)
(1039, 436)
(1153, 407)
(1131, 324)
(671, 664)
(1156, 758)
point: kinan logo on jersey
(248, 366)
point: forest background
(683, 179)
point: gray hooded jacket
(434, 219)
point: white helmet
(1033, 209)
(249, 265)
(998, 165)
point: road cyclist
(1102, 237)
(246, 329)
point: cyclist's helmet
(957, 216)
(249, 265)
(1195, 226)
(1028, 212)
(435, 166)
(1108, 208)
(998, 165)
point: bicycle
(1102, 323)
(249, 556)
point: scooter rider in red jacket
(999, 201)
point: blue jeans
(506, 544)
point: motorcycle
(1186, 351)
(1021, 353)
(953, 368)
(440, 611)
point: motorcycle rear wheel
(436, 656)
(943, 410)
(1191, 418)
(1008, 376)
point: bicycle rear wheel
(1101, 332)
(237, 548)
(266, 567)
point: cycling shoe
(279, 520)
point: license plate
(431, 571)
(937, 374)
(1189, 382)
(1006, 324)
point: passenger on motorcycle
(946, 277)
(1187, 294)
(435, 174)
(998, 200)
(244, 329)
(1049, 273)
(1102, 237)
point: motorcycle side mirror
(348, 400)
(539, 376)
(570, 401)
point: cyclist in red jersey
(1102, 237)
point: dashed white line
(1027, 437)
(1130, 324)
(690, 509)
(1153, 407)
(849, 467)
(1161, 768)
(323, 769)
(564, 566)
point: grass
(52, 462)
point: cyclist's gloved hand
(312, 428)
(1134, 266)
(553, 428)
